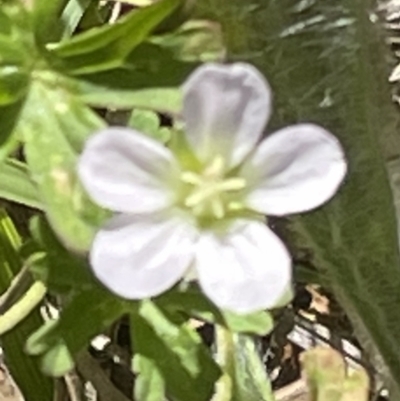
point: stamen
(235, 206)
(232, 184)
(189, 177)
(200, 195)
(216, 168)
(217, 207)
(208, 195)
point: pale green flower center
(212, 193)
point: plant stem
(23, 307)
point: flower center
(211, 192)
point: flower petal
(126, 171)
(246, 270)
(294, 170)
(142, 256)
(225, 109)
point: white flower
(174, 217)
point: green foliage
(195, 40)
(148, 122)
(50, 261)
(244, 374)
(170, 355)
(57, 342)
(57, 361)
(98, 310)
(327, 64)
(167, 100)
(106, 47)
(193, 303)
(55, 123)
(23, 368)
(17, 186)
(42, 338)
(56, 60)
(73, 14)
(47, 23)
(16, 51)
(61, 58)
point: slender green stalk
(23, 307)
(225, 351)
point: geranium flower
(175, 217)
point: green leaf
(57, 361)
(42, 339)
(47, 23)
(167, 100)
(54, 123)
(13, 84)
(9, 116)
(88, 314)
(16, 54)
(138, 3)
(149, 79)
(14, 70)
(177, 353)
(195, 304)
(327, 64)
(22, 367)
(150, 384)
(17, 186)
(61, 270)
(106, 47)
(145, 121)
(245, 378)
(22, 307)
(148, 122)
(10, 146)
(260, 323)
(85, 315)
(196, 40)
(72, 15)
(15, 23)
